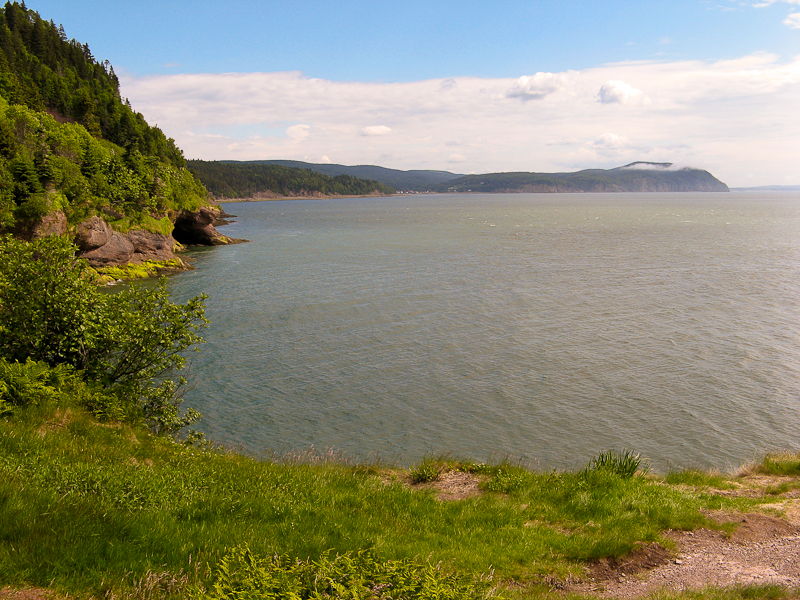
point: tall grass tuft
(625, 464)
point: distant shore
(269, 196)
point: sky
(462, 86)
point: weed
(429, 470)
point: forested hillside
(70, 144)
(419, 180)
(635, 177)
(229, 179)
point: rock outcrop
(92, 233)
(197, 228)
(103, 247)
(54, 223)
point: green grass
(94, 508)
(698, 478)
(780, 463)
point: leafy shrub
(130, 343)
(625, 464)
(362, 575)
(30, 383)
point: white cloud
(609, 141)
(375, 130)
(457, 158)
(298, 132)
(793, 20)
(615, 91)
(736, 118)
(325, 160)
(771, 2)
(538, 86)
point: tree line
(43, 70)
(247, 180)
(69, 143)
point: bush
(131, 343)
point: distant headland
(266, 179)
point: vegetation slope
(104, 508)
(230, 179)
(68, 141)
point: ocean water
(538, 327)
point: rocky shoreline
(104, 247)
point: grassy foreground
(107, 510)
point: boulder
(92, 233)
(151, 246)
(54, 223)
(118, 250)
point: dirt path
(763, 550)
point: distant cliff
(635, 177)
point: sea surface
(543, 328)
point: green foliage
(131, 342)
(354, 576)
(41, 69)
(33, 384)
(29, 383)
(68, 142)
(625, 464)
(245, 180)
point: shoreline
(271, 197)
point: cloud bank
(736, 118)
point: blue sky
(463, 86)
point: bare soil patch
(763, 549)
(450, 486)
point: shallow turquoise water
(541, 327)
